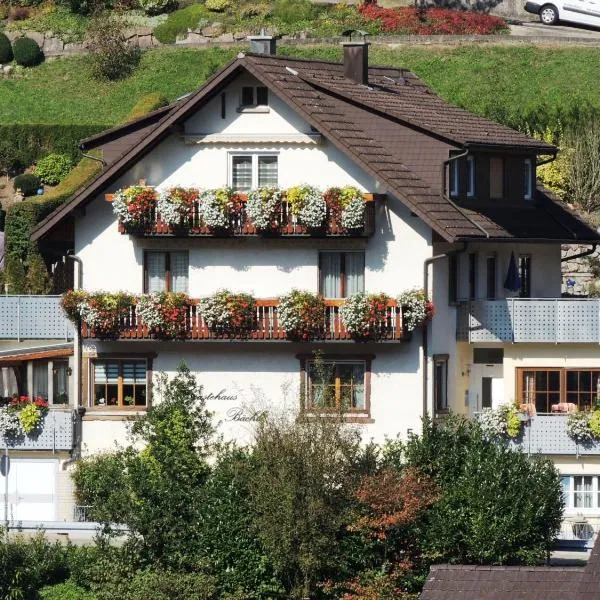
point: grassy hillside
(514, 85)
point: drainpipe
(426, 263)
(581, 254)
(100, 160)
(78, 284)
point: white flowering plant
(365, 316)
(226, 311)
(308, 205)
(10, 425)
(416, 309)
(263, 207)
(176, 205)
(346, 206)
(22, 416)
(164, 313)
(134, 205)
(302, 315)
(578, 427)
(505, 421)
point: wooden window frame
(343, 277)
(168, 276)
(120, 358)
(350, 415)
(502, 162)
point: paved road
(534, 28)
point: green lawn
(514, 85)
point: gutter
(583, 254)
(426, 263)
(100, 160)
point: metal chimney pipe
(356, 57)
(263, 44)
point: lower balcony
(267, 326)
(33, 317)
(530, 320)
(547, 434)
(57, 431)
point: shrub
(217, 5)
(27, 52)
(65, 591)
(180, 21)
(89, 7)
(147, 104)
(38, 279)
(157, 7)
(6, 53)
(257, 9)
(111, 57)
(19, 13)
(476, 520)
(291, 12)
(2, 219)
(28, 184)
(53, 168)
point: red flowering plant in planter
(165, 314)
(135, 206)
(302, 315)
(226, 312)
(365, 316)
(416, 309)
(24, 415)
(176, 206)
(102, 312)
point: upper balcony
(284, 224)
(33, 318)
(266, 326)
(530, 320)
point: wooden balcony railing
(267, 326)
(241, 225)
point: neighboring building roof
(470, 582)
(364, 122)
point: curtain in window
(179, 271)
(583, 491)
(355, 273)
(331, 266)
(40, 379)
(241, 176)
(529, 387)
(267, 171)
(60, 381)
(156, 263)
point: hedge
(27, 52)
(32, 141)
(146, 104)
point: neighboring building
(464, 582)
(451, 196)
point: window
(60, 382)
(473, 276)
(336, 385)
(488, 356)
(525, 275)
(470, 176)
(453, 278)
(254, 170)
(496, 178)
(581, 492)
(40, 379)
(544, 387)
(454, 179)
(341, 273)
(255, 96)
(490, 277)
(166, 271)
(119, 383)
(440, 382)
(528, 178)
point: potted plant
(227, 312)
(135, 206)
(346, 207)
(164, 313)
(176, 206)
(416, 309)
(219, 208)
(302, 315)
(501, 422)
(264, 208)
(365, 315)
(307, 206)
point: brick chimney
(263, 44)
(356, 56)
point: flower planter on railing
(267, 325)
(238, 223)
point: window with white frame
(581, 493)
(454, 179)
(470, 176)
(250, 171)
(527, 179)
(166, 271)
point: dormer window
(470, 176)
(528, 177)
(254, 97)
(455, 177)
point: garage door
(31, 490)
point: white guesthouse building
(451, 205)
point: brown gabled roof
(361, 121)
(475, 582)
